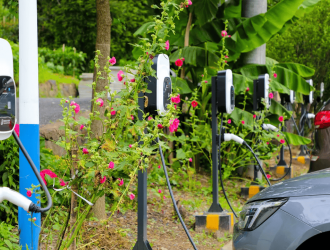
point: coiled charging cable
(172, 196)
(232, 137)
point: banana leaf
(296, 140)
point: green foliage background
(307, 42)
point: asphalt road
(50, 109)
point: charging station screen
(7, 103)
(167, 91)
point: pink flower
(226, 56)
(132, 196)
(189, 2)
(76, 107)
(271, 96)
(82, 127)
(182, 59)
(268, 176)
(281, 119)
(254, 116)
(47, 172)
(111, 165)
(16, 128)
(278, 135)
(85, 151)
(62, 183)
(132, 117)
(282, 141)
(243, 122)
(149, 118)
(29, 193)
(132, 80)
(176, 99)
(100, 102)
(202, 75)
(174, 124)
(225, 61)
(247, 89)
(164, 197)
(229, 36)
(229, 121)
(224, 33)
(179, 62)
(190, 159)
(267, 143)
(102, 180)
(66, 101)
(194, 104)
(159, 191)
(275, 75)
(34, 219)
(112, 61)
(113, 112)
(160, 126)
(167, 45)
(158, 166)
(121, 182)
(130, 146)
(175, 106)
(120, 75)
(206, 81)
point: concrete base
(216, 223)
(303, 159)
(228, 246)
(249, 192)
(279, 171)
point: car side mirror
(7, 91)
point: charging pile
(8, 111)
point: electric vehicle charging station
(223, 101)
(303, 156)
(260, 92)
(282, 170)
(8, 114)
(154, 103)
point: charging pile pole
(28, 116)
(142, 242)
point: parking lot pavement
(228, 246)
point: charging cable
(272, 127)
(232, 137)
(33, 207)
(172, 196)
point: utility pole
(252, 8)
(28, 117)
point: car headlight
(255, 213)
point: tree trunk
(252, 8)
(103, 39)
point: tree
(103, 38)
(306, 42)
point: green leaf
(239, 115)
(183, 86)
(296, 140)
(257, 30)
(306, 6)
(276, 86)
(144, 29)
(277, 109)
(241, 83)
(180, 154)
(271, 61)
(205, 10)
(297, 68)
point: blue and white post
(28, 115)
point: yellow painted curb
(231, 219)
(301, 159)
(280, 170)
(212, 221)
(253, 190)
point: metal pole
(28, 116)
(215, 207)
(142, 242)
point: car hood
(314, 183)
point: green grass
(46, 74)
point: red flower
(224, 33)
(160, 126)
(243, 122)
(282, 141)
(254, 116)
(268, 176)
(275, 75)
(29, 193)
(280, 118)
(179, 62)
(229, 121)
(49, 173)
(102, 180)
(194, 104)
(176, 99)
(247, 89)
